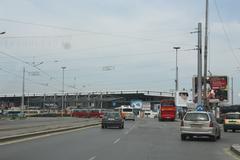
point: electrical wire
(24, 62)
(71, 29)
(226, 34)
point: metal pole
(176, 81)
(101, 97)
(23, 90)
(63, 88)
(199, 102)
(232, 90)
(205, 59)
(44, 101)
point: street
(144, 139)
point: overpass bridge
(107, 99)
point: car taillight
(182, 123)
(211, 124)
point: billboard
(181, 98)
(146, 106)
(217, 88)
(137, 104)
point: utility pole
(232, 90)
(199, 102)
(176, 80)
(205, 60)
(23, 90)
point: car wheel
(225, 130)
(183, 137)
(103, 126)
(233, 130)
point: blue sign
(200, 108)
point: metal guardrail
(146, 92)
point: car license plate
(110, 119)
(196, 125)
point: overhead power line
(29, 64)
(226, 34)
(70, 29)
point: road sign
(200, 108)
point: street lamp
(176, 81)
(63, 68)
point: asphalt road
(140, 140)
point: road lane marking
(129, 130)
(43, 136)
(116, 141)
(92, 158)
(231, 154)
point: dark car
(112, 119)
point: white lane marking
(130, 129)
(116, 141)
(92, 158)
(42, 136)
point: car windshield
(233, 116)
(196, 117)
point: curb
(236, 149)
(34, 134)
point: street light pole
(176, 80)
(63, 68)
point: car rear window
(196, 117)
(112, 115)
(233, 116)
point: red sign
(218, 82)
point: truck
(167, 110)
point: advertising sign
(181, 98)
(146, 106)
(217, 88)
(137, 104)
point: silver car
(197, 123)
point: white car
(199, 124)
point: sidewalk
(32, 126)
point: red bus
(167, 110)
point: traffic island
(236, 149)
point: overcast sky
(113, 44)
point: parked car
(112, 119)
(231, 121)
(199, 124)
